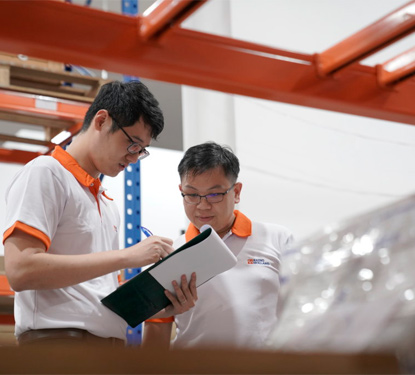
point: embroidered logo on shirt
(115, 229)
(260, 261)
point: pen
(146, 231)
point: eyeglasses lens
(195, 199)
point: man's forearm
(157, 335)
(40, 270)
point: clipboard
(143, 296)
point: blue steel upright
(130, 8)
(132, 198)
(132, 231)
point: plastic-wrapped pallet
(351, 287)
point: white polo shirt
(237, 308)
(53, 199)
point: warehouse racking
(156, 47)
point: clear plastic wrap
(351, 287)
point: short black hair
(207, 156)
(127, 103)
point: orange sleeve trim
(29, 230)
(5, 289)
(191, 232)
(170, 319)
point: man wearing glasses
(61, 244)
(238, 308)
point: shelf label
(46, 103)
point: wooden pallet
(46, 78)
(40, 80)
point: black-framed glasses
(134, 148)
(211, 198)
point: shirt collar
(242, 227)
(69, 163)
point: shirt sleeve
(34, 202)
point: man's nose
(204, 202)
(133, 158)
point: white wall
(161, 204)
(301, 167)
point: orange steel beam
(5, 289)
(17, 156)
(385, 31)
(29, 103)
(397, 68)
(73, 130)
(6, 292)
(6, 319)
(164, 13)
(84, 36)
(16, 102)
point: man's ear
(237, 188)
(100, 118)
(180, 187)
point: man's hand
(149, 251)
(185, 299)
